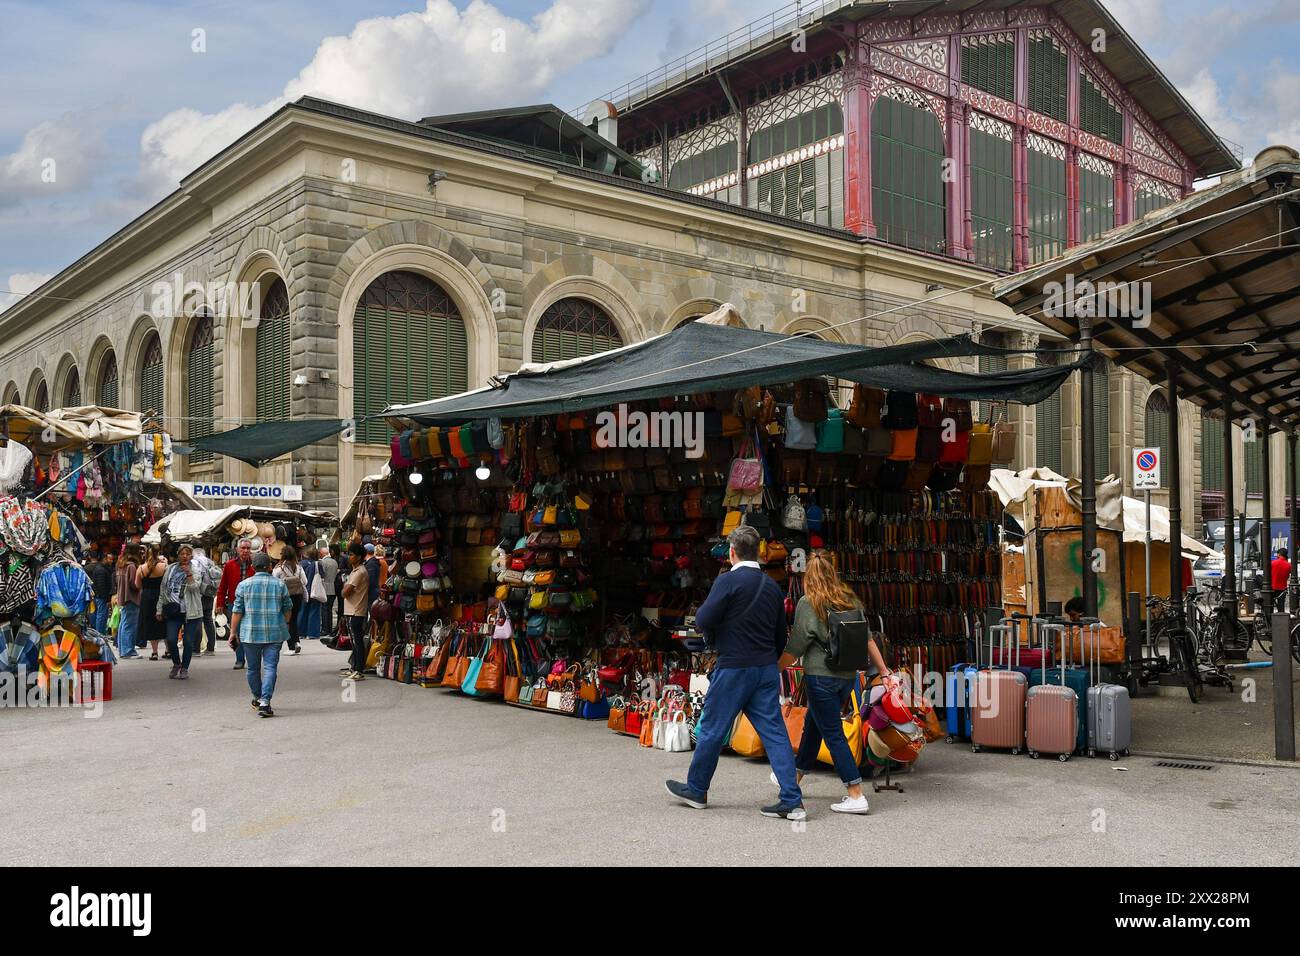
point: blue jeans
(309, 618)
(183, 638)
(100, 623)
(263, 660)
(127, 624)
(826, 699)
(756, 692)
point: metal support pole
(1283, 691)
(1175, 494)
(1266, 525)
(1147, 493)
(1088, 478)
(1294, 595)
(1229, 519)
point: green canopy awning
(266, 441)
(701, 357)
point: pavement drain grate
(1184, 766)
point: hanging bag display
(745, 476)
(800, 435)
(1004, 440)
(900, 410)
(864, 410)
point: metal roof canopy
(1223, 270)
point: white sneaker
(851, 805)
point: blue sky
(118, 95)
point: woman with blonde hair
(828, 688)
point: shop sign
(206, 489)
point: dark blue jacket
(743, 619)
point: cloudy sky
(127, 97)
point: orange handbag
(647, 726)
(455, 448)
(745, 740)
(902, 444)
(491, 674)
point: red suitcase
(1052, 713)
(997, 715)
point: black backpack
(850, 637)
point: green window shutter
(989, 364)
(573, 328)
(151, 377)
(907, 190)
(1156, 428)
(1252, 452)
(1047, 432)
(1211, 453)
(200, 405)
(992, 192)
(107, 392)
(1101, 421)
(409, 344)
(988, 63)
(1047, 201)
(72, 390)
(274, 338)
(1097, 115)
(41, 402)
(1048, 80)
(1096, 197)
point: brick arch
(922, 328)
(59, 384)
(35, 379)
(261, 243)
(12, 394)
(693, 295)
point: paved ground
(183, 773)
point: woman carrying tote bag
(828, 688)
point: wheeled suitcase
(1052, 715)
(1110, 712)
(957, 690)
(1077, 679)
(997, 709)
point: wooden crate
(1054, 564)
(1050, 507)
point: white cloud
(437, 60)
(55, 157)
(21, 283)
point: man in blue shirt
(743, 619)
(259, 621)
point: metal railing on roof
(717, 53)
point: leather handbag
(744, 738)
(900, 410)
(929, 443)
(864, 410)
(852, 724)
(903, 444)
(980, 451)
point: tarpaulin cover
(67, 428)
(198, 525)
(703, 357)
(267, 441)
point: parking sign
(1146, 468)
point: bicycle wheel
(1183, 655)
(1263, 637)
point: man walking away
(237, 569)
(259, 622)
(743, 619)
(356, 603)
(210, 576)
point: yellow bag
(544, 578)
(744, 738)
(570, 538)
(730, 523)
(537, 601)
(980, 451)
(582, 501)
(852, 733)
(503, 592)
(549, 515)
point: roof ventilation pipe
(602, 117)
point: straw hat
(255, 544)
(276, 549)
(265, 529)
(243, 527)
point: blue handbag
(472, 672)
(597, 711)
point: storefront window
(573, 328)
(907, 188)
(274, 339)
(409, 344)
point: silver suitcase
(1110, 711)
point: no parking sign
(1146, 468)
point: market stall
(217, 530)
(555, 531)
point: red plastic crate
(105, 670)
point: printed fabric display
(24, 528)
(63, 591)
(19, 646)
(17, 584)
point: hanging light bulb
(482, 472)
(416, 477)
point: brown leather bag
(810, 399)
(864, 410)
(491, 675)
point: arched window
(41, 400)
(151, 376)
(907, 189)
(12, 397)
(571, 328)
(1156, 428)
(274, 338)
(72, 389)
(106, 394)
(199, 375)
(409, 344)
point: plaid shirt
(263, 602)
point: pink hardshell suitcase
(1051, 712)
(997, 715)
